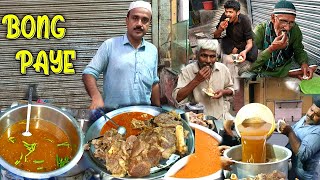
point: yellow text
(57, 61)
(42, 26)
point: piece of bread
(227, 19)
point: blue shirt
(128, 73)
(308, 156)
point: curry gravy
(254, 133)
(206, 159)
(124, 120)
(45, 134)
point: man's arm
(248, 47)
(90, 84)
(222, 25)
(217, 32)
(293, 139)
(155, 95)
(185, 91)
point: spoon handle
(107, 118)
(30, 95)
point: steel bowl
(243, 170)
(49, 113)
(95, 128)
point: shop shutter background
(308, 19)
(88, 23)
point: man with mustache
(304, 141)
(204, 74)
(280, 41)
(128, 64)
(238, 39)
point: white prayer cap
(208, 44)
(140, 4)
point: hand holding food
(224, 24)
(203, 74)
(209, 91)
(280, 42)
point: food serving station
(83, 165)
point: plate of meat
(155, 140)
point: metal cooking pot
(95, 128)
(244, 170)
(55, 115)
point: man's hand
(223, 25)
(222, 148)
(226, 163)
(96, 103)
(243, 54)
(203, 74)
(307, 72)
(218, 94)
(285, 128)
(280, 42)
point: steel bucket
(244, 170)
(55, 115)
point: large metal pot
(53, 114)
(243, 170)
(95, 128)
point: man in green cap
(280, 43)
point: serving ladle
(27, 133)
(120, 129)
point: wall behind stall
(88, 23)
(308, 19)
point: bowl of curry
(55, 146)
(205, 163)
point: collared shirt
(240, 31)
(308, 156)
(220, 79)
(295, 46)
(128, 73)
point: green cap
(284, 7)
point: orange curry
(46, 150)
(125, 119)
(205, 160)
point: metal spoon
(121, 130)
(27, 133)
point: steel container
(49, 113)
(278, 155)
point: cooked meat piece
(86, 147)
(137, 154)
(139, 124)
(166, 120)
(153, 156)
(116, 159)
(138, 147)
(139, 168)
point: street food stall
(157, 128)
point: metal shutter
(88, 24)
(308, 19)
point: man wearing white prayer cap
(128, 64)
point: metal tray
(156, 172)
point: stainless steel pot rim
(289, 153)
(56, 172)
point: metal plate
(95, 128)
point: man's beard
(202, 65)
